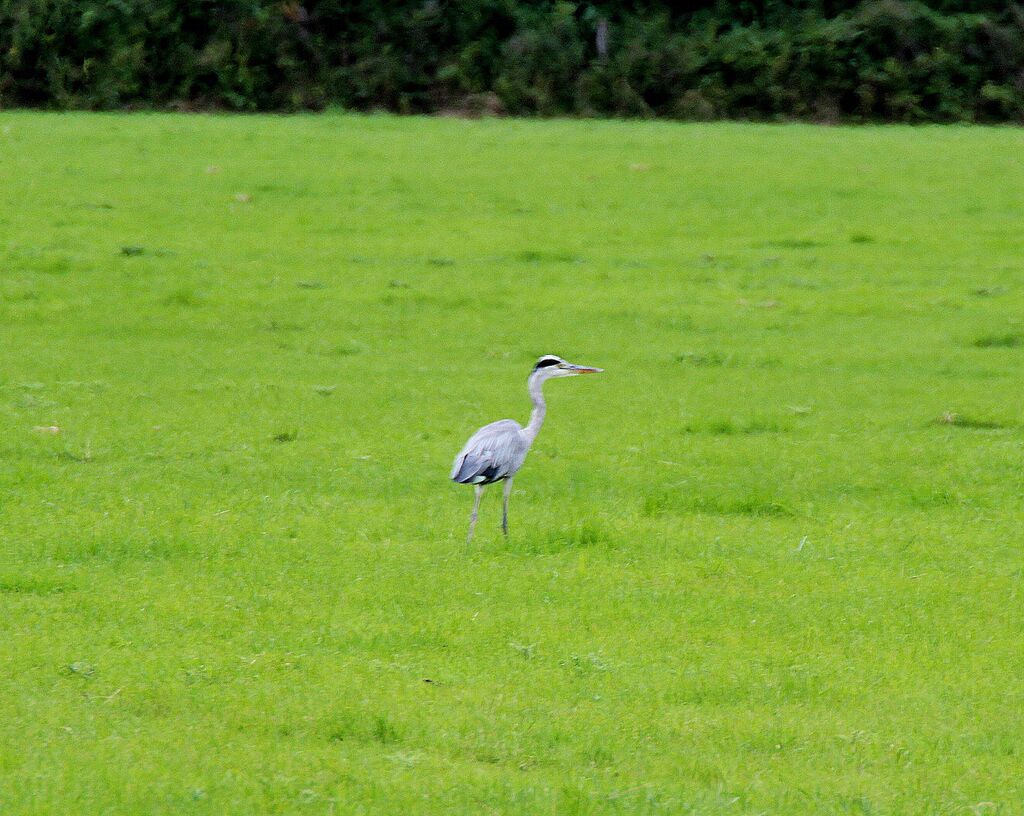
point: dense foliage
(947, 60)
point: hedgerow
(890, 60)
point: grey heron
(497, 451)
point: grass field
(769, 563)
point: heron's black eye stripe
(546, 363)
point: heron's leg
(479, 490)
(504, 507)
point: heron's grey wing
(492, 453)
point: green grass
(770, 562)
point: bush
(893, 60)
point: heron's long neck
(539, 409)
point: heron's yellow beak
(586, 370)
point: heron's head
(550, 366)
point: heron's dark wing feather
(477, 469)
(491, 454)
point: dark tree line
(895, 60)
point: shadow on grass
(575, 536)
(530, 256)
(717, 359)
(931, 498)
(359, 727)
(706, 359)
(753, 505)
(955, 420)
(14, 585)
(730, 427)
(1008, 340)
(187, 298)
